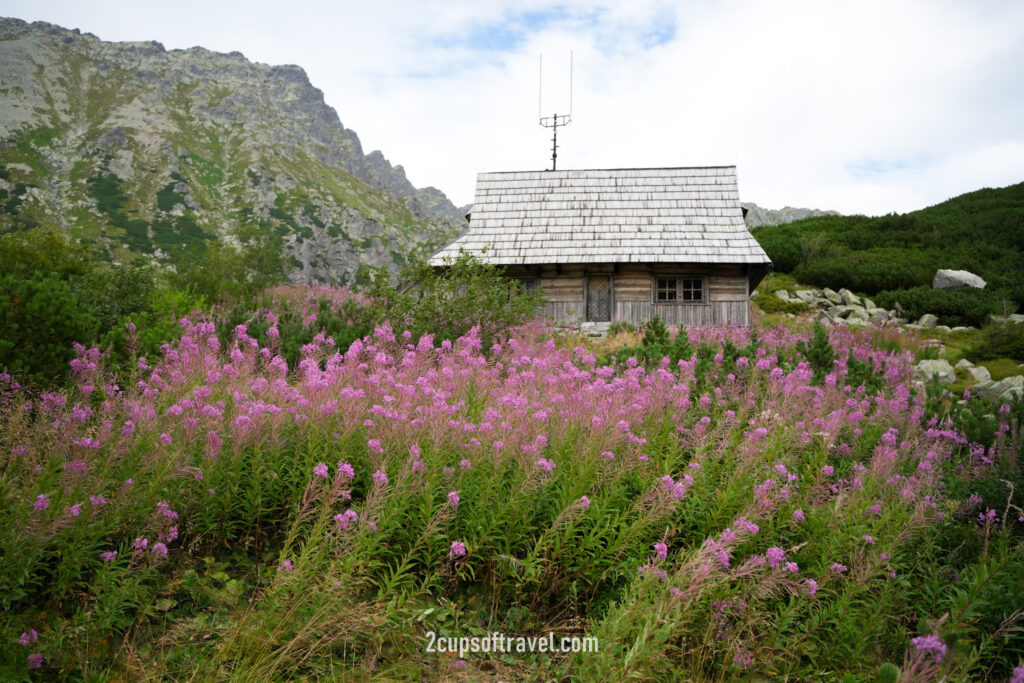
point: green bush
(999, 339)
(41, 318)
(869, 271)
(966, 306)
(449, 302)
(240, 272)
(769, 303)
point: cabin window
(530, 284)
(679, 289)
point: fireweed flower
(545, 465)
(321, 470)
(838, 568)
(375, 445)
(458, 549)
(346, 470)
(42, 502)
(828, 470)
(453, 499)
(345, 518)
(29, 637)
(812, 587)
(97, 500)
(930, 645)
(774, 556)
(34, 660)
(286, 566)
(140, 545)
(661, 549)
(584, 502)
(799, 515)
(109, 556)
(159, 550)
(870, 539)
(74, 510)
(465, 464)
(380, 477)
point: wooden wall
(564, 287)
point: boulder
(953, 279)
(832, 296)
(943, 328)
(963, 363)
(857, 313)
(960, 328)
(805, 295)
(783, 294)
(1004, 390)
(824, 318)
(869, 304)
(928, 321)
(980, 374)
(849, 298)
(927, 369)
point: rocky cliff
(757, 216)
(142, 150)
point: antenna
(554, 121)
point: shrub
(999, 339)
(965, 306)
(769, 303)
(41, 319)
(869, 271)
(447, 303)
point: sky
(859, 107)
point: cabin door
(599, 298)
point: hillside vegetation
(894, 257)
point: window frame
(684, 286)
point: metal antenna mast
(554, 121)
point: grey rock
(1004, 389)
(928, 321)
(805, 295)
(849, 298)
(868, 304)
(953, 279)
(963, 363)
(943, 328)
(832, 296)
(1012, 318)
(927, 369)
(824, 318)
(960, 328)
(783, 294)
(980, 374)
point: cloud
(863, 107)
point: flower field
(769, 506)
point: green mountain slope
(981, 231)
(140, 150)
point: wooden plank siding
(726, 299)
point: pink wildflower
(109, 556)
(458, 549)
(42, 502)
(584, 502)
(159, 550)
(34, 660)
(870, 539)
(380, 477)
(545, 464)
(453, 499)
(346, 470)
(661, 549)
(375, 445)
(321, 470)
(812, 587)
(930, 645)
(798, 515)
(838, 568)
(286, 566)
(29, 637)
(775, 556)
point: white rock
(783, 294)
(963, 363)
(943, 328)
(952, 279)
(927, 369)
(928, 320)
(980, 374)
(849, 298)
(832, 296)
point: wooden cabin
(622, 244)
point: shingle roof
(652, 215)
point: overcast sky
(862, 106)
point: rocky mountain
(142, 150)
(756, 216)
